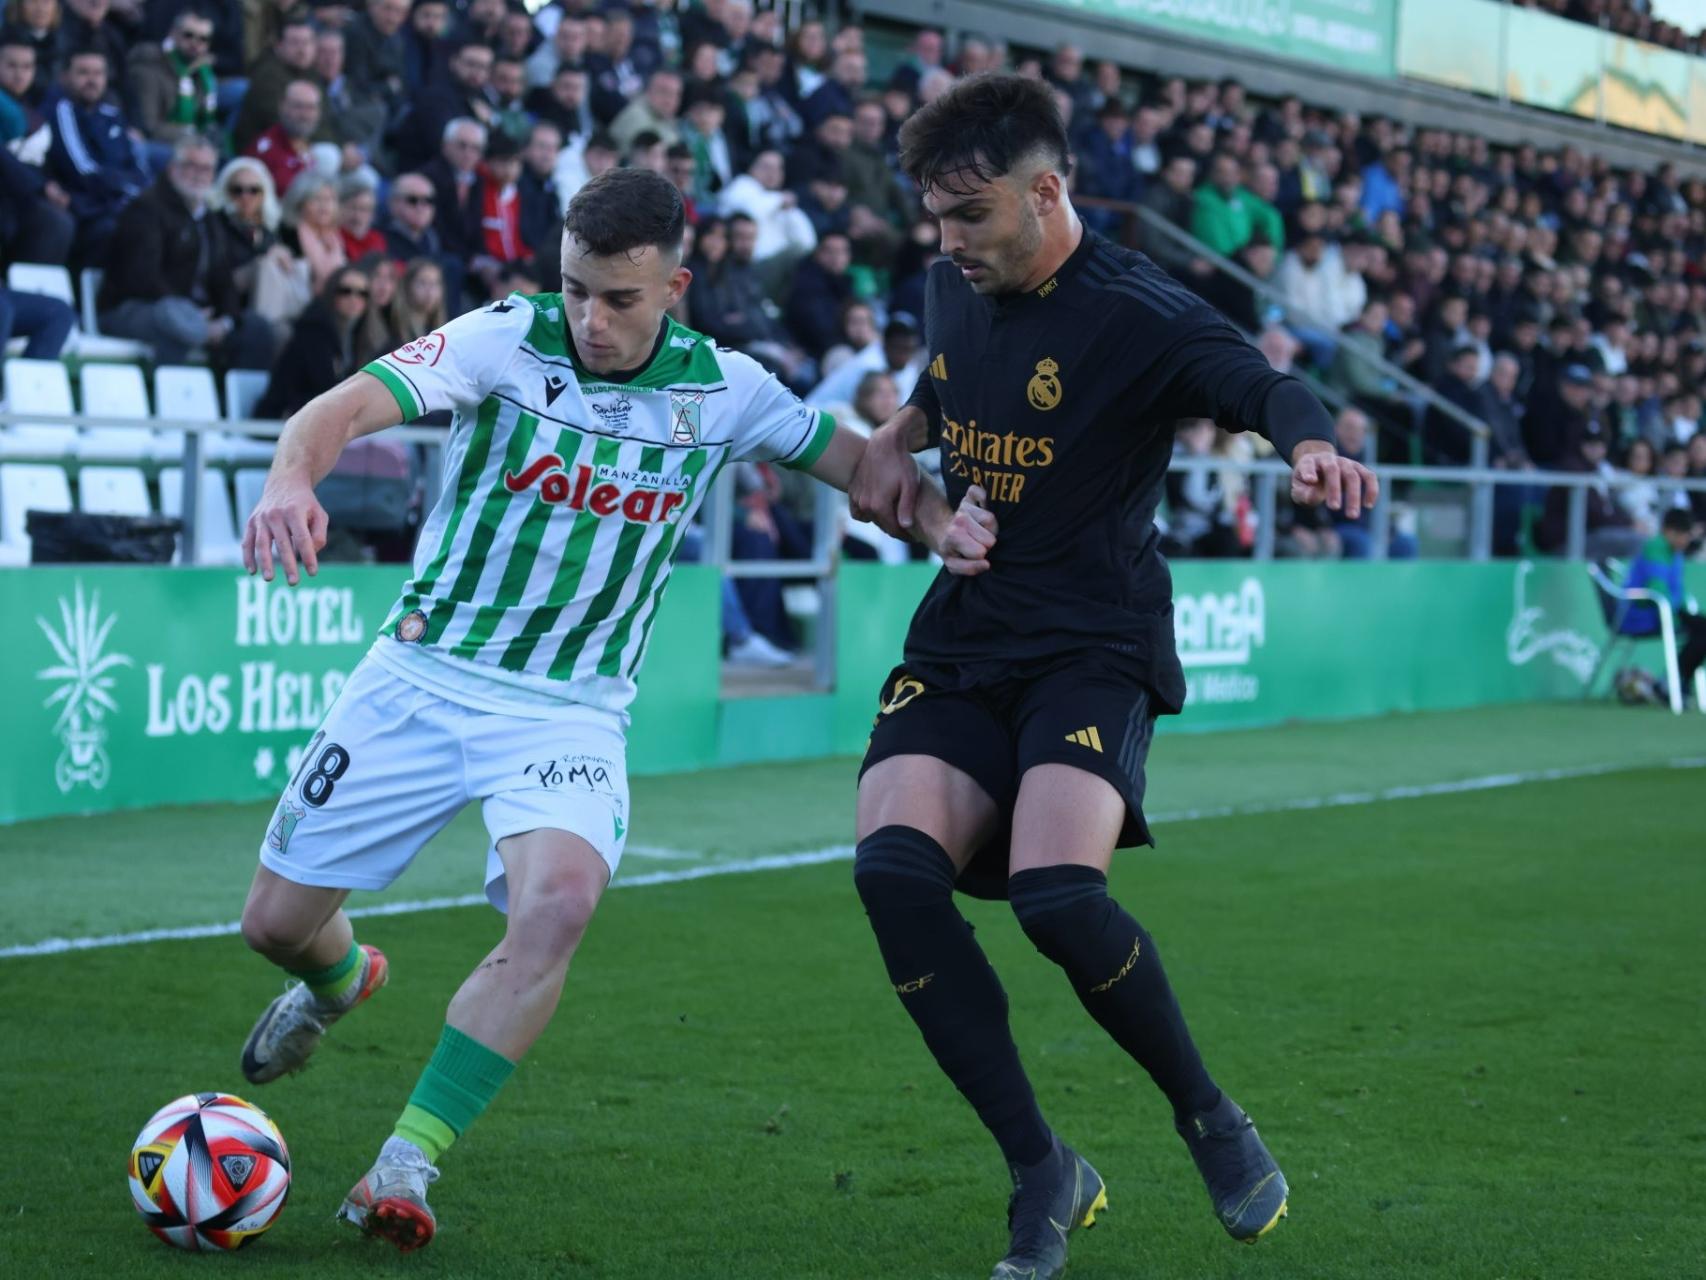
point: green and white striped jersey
(539, 572)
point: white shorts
(393, 763)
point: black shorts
(1085, 712)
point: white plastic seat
(90, 342)
(185, 393)
(243, 390)
(216, 529)
(38, 386)
(117, 491)
(41, 277)
(26, 487)
(115, 391)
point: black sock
(906, 882)
(1116, 971)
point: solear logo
(1221, 630)
(84, 688)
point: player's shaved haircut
(623, 211)
(984, 128)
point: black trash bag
(77, 537)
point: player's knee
(1058, 906)
(898, 868)
(552, 915)
(273, 930)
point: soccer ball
(209, 1171)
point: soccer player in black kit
(1007, 759)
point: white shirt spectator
(1325, 294)
(782, 226)
(840, 386)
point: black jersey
(1061, 403)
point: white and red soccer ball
(209, 1171)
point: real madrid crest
(1043, 390)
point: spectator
(90, 24)
(923, 55)
(541, 209)
(378, 333)
(459, 190)
(19, 102)
(1356, 541)
(741, 315)
(655, 112)
(1174, 198)
(246, 209)
(1559, 416)
(872, 181)
(322, 347)
(836, 95)
(773, 121)
(1446, 442)
(784, 233)
(1322, 294)
(1239, 302)
(426, 54)
(482, 23)
(1107, 170)
(1642, 501)
(580, 162)
(160, 286)
(500, 204)
(290, 59)
(419, 305)
(92, 157)
(34, 223)
(1224, 215)
(374, 55)
(172, 83)
(807, 61)
(1658, 568)
(463, 95)
(901, 355)
(508, 93)
(311, 230)
(702, 133)
(857, 330)
(563, 103)
(616, 77)
(566, 48)
(821, 285)
(352, 123)
(357, 204)
(1199, 522)
(36, 23)
(285, 148)
(1610, 531)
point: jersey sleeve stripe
(815, 445)
(399, 389)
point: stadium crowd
(297, 190)
(1632, 18)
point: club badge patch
(684, 410)
(411, 626)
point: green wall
(125, 687)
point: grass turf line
(1456, 1020)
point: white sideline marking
(844, 852)
(661, 853)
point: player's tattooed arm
(289, 521)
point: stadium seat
(114, 391)
(26, 487)
(1615, 601)
(250, 482)
(243, 390)
(216, 530)
(88, 341)
(41, 277)
(38, 386)
(185, 393)
(116, 491)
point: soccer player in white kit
(588, 428)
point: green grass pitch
(1470, 1025)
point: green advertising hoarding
(128, 687)
(1355, 35)
(1541, 60)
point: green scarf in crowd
(198, 94)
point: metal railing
(1480, 434)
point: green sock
(458, 1083)
(333, 984)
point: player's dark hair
(623, 211)
(1678, 520)
(979, 129)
